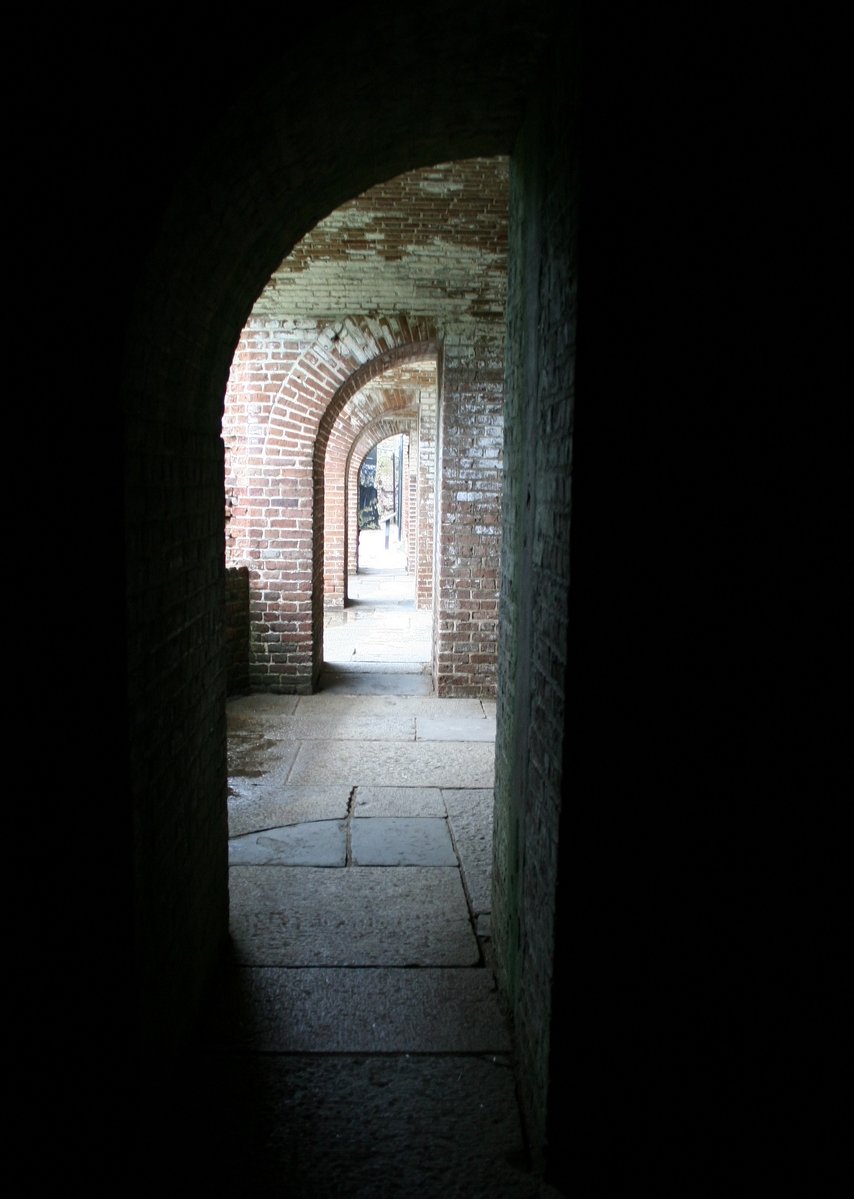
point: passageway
(357, 1045)
(384, 325)
(380, 632)
(362, 988)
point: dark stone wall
(658, 911)
(695, 921)
(237, 630)
(539, 408)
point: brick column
(469, 534)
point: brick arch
(422, 503)
(389, 358)
(339, 529)
(286, 389)
(315, 384)
(330, 453)
(377, 431)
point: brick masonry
(469, 526)
(405, 425)
(237, 630)
(530, 741)
(316, 374)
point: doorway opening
(381, 629)
(375, 326)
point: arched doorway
(249, 196)
(374, 313)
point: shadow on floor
(355, 1045)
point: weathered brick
(307, 395)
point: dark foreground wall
(696, 913)
(237, 630)
(666, 925)
(542, 321)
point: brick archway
(405, 402)
(404, 423)
(288, 386)
(354, 408)
(412, 269)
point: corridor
(380, 632)
(356, 1047)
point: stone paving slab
(248, 723)
(382, 613)
(401, 841)
(417, 652)
(261, 705)
(251, 752)
(470, 814)
(345, 726)
(258, 768)
(289, 805)
(365, 916)
(388, 616)
(387, 704)
(454, 728)
(268, 1010)
(371, 683)
(269, 725)
(399, 621)
(315, 843)
(352, 665)
(377, 656)
(424, 763)
(258, 714)
(354, 1127)
(397, 634)
(399, 801)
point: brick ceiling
(415, 257)
(432, 243)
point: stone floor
(356, 1047)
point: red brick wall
(426, 498)
(290, 433)
(281, 408)
(469, 533)
(337, 464)
(376, 432)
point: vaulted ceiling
(425, 251)
(432, 243)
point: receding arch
(429, 248)
(397, 356)
(286, 390)
(371, 436)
